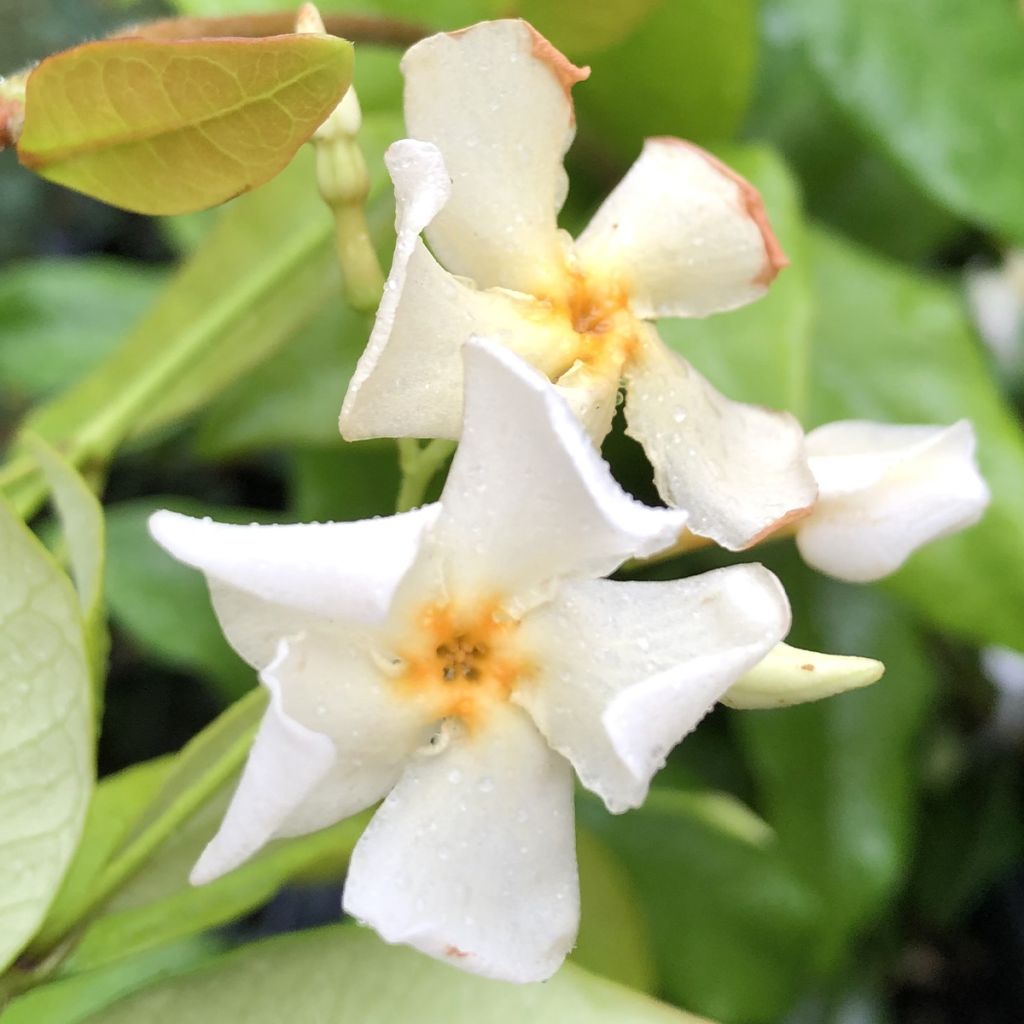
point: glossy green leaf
(159, 905)
(614, 939)
(580, 28)
(81, 518)
(58, 318)
(170, 127)
(117, 803)
(760, 353)
(163, 605)
(46, 732)
(346, 481)
(70, 1000)
(344, 973)
(732, 925)
(940, 84)
(295, 396)
(838, 777)
(685, 70)
(895, 346)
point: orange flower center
(462, 660)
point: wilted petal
(408, 382)
(788, 675)
(333, 741)
(495, 100)
(472, 857)
(886, 490)
(528, 499)
(739, 470)
(686, 235)
(626, 670)
(323, 570)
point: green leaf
(895, 346)
(163, 605)
(686, 70)
(58, 318)
(73, 999)
(171, 127)
(117, 803)
(81, 517)
(614, 939)
(344, 482)
(580, 28)
(838, 778)
(347, 974)
(940, 84)
(46, 734)
(159, 905)
(760, 353)
(295, 396)
(731, 923)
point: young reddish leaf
(171, 127)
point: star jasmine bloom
(680, 236)
(886, 490)
(459, 661)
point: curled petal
(626, 670)
(408, 382)
(333, 741)
(885, 491)
(324, 570)
(686, 235)
(471, 859)
(739, 470)
(528, 499)
(788, 675)
(495, 100)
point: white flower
(460, 660)
(884, 491)
(681, 235)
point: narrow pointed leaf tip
(173, 127)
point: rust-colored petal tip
(775, 258)
(778, 526)
(567, 73)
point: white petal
(471, 859)
(285, 763)
(408, 382)
(626, 670)
(687, 235)
(739, 470)
(495, 100)
(334, 741)
(528, 499)
(885, 491)
(788, 675)
(327, 570)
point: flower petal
(285, 763)
(528, 499)
(788, 675)
(495, 100)
(685, 234)
(408, 382)
(626, 670)
(740, 470)
(334, 740)
(885, 491)
(471, 859)
(328, 570)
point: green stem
(361, 269)
(419, 466)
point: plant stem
(419, 466)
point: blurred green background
(852, 862)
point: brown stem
(358, 28)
